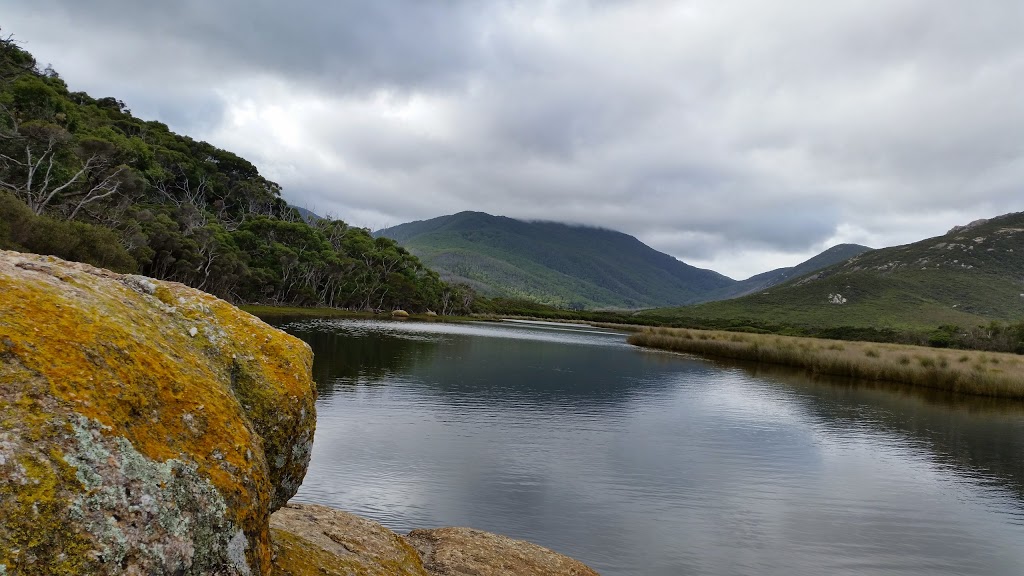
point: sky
(737, 135)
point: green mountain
(971, 275)
(83, 179)
(765, 280)
(559, 264)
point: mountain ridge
(572, 265)
(971, 275)
(556, 263)
(765, 280)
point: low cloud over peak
(736, 135)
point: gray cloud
(732, 134)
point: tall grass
(980, 373)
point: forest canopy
(82, 178)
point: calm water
(640, 462)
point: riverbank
(998, 375)
(150, 428)
(262, 311)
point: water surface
(648, 463)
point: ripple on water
(641, 463)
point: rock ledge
(316, 540)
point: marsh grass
(980, 373)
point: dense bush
(22, 230)
(85, 180)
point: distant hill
(765, 280)
(308, 215)
(968, 276)
(553, 263)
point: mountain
(308, 215)
(765, 280)
(969, 276)
(553, 263)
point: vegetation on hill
(765, 280)
(944, 288)
(81, 178)
(566, 266)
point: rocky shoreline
(149, 428)
(310, 539)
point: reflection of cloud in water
(657, 464)
(359, 328)
(435, 331)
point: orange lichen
(176, 372)
(296, 556)
(33, 495)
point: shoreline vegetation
(267, 311)
(992, 374)
(961, 371)
(270, 311)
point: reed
(968, 372)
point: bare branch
(46, 201)
(106, 188)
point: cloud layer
(740, 135)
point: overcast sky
(739, 135)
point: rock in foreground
(315, 540)
(311, 539)
(468, 552)
(145, 427)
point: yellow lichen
(115, 355)
(34, 493)
(296, 556)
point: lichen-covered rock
(316, 540)
(468, 552)
(145, 427)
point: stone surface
(312, 539)
(145, 427)
(468, 552)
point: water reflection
(350, 354)
(650, 463)
(981, 437)
(539, 364)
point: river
(640, 462)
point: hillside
(83, 179)
(765, 280)
(969, 276)
(571, 266)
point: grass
(965, 278)
(980, 373)
(908, 301)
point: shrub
(77, 241)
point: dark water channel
(647, 463)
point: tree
(94, 183)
